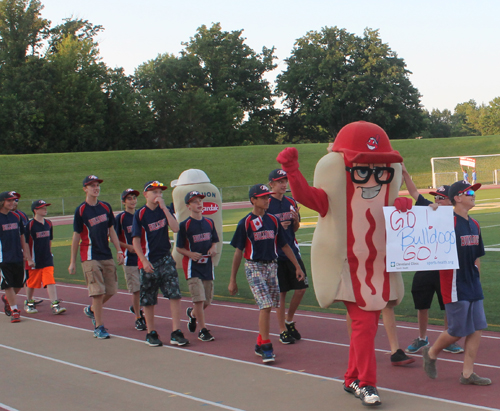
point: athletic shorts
(13, 275)
(41, 277)
(201, 290)
(465, 317)
(164, 278)
(287, 276)
(100, 276)
(132, 278)
(263, 281)
(425, 284)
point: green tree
(489, 121)
(466, 119)
(334, 77)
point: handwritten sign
(421, 239)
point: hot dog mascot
(352, 184)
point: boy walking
(461, 289)
(123, 227)
(13, 252)
(157, 267)
(39, 235)
(256, 239)
(197, 241)
(93, 223)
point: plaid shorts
(163, 278)
(263, 281)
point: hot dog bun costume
(197, 180)
(352, 184)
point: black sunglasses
(361, 175)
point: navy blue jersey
(11, 229)
(151, 226)
(24, 217)
(463, 284)
(93, 224)
(259, 237)
(197, 236)
(38, 238)
(422, 201)
(123, 227)
(283, 210)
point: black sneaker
(369, 396)
(400, 358)
(286, 338)
(191, 320)
(131, 309)
(7, 310)
(153, 339)
(267, 353)
(177, 338)
(140, 324)
(352, 388)
(205, 335)
(259, 351)
(293, 331)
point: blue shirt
(38, 238)
(259, 237)
(11, 229)
(123, 228)
(283, 211)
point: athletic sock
(266, 342)
(259, 340)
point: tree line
(57, 95)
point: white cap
(191, 176)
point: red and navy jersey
(422, 201)
(38, 237)
(24, 217)
(283, 210)
(11, 229)
(123, 227)
(152, 227)
(93, 224)
(259, 237)
(463, 284)
(197, 236)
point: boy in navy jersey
(39, 235)
(123, 227)
(157, 267)
(93, 223)
(257, 238)
(285, 208)
(461, 289)
(13, 252)
(21, 214)
(197, 241)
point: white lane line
(6, 407)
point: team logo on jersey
(210, 208)
(256, 223)
(372, 142)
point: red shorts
(39, 276)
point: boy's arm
(114, 239)
(148, 267)
(213, 250)
(238, 256)
(291, 256)
(26, 250)
(172, 222)
(190, 254)
(74, 250)
(410, 185)
(477, 263)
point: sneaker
(292, 330)
(89, 313)
(38, 302)
(15, 316)
(140, 324)
(267, 353)
(101, 333)
(429, 365)
(177, 338)
(191, 320)
(286, 338)
(56, 308)
(259, 352)
(369, 396)
(417, 345)
(131, 309)
(29, 307)
(205, 335)
(352, 388)
(474, 379)
(153, 339)
(454, 349)
(400, 358)
(6, 310)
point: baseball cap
(277, 174)
(192, 194)
(259, 190)
(129, 191)
(441, 191)
(153, 185)
(364, 142)
(35, 205)
(90, 179)
(9, 195)
(461, 186)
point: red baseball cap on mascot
(367, 143)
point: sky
(452, 48)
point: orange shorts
(39, 276)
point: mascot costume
(352, 184)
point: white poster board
(421, 239)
